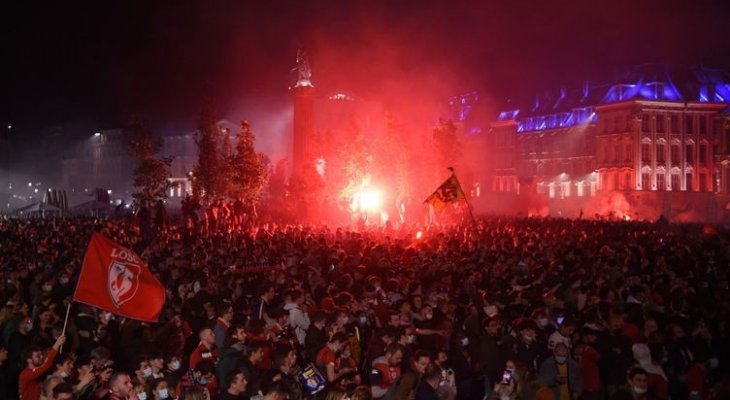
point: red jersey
(203, 353)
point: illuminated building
(650, 131)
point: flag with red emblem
(114, 278)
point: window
(644, 123)
(703, 153)
(674, 123)
(617, 153)
(675, 154)
(646, 181)
(690, 156)
(645, 156)
(703, 125)
(660, 123)
(675, 182)
(688, 182)
(627, 181)
(703, 182)
(660, 184)
(629, 153)
(688, 124)
(617, 124)
(660, 153)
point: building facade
(650, 131)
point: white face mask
(638, 391)
(142, 396)
(410, 339)
(64, 375)
(162, 393)
(491, 311)
(542, 322)
(175, 365)
(147, 372)
(464, 342)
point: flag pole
(466, 200)
(65, 322)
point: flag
(449, 192)
(114, 278)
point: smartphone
(560, 319)
(506, 377)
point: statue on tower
(302, 68)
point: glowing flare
(370, 200)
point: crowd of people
(497, 309)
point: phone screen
(560, 319)
(506, 377)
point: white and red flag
(115, 279)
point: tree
(447, 142)
(227, 168)
(249, 173)
(152, 173)
(207, 173)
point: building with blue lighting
(651, 130)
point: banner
(449, 192)
(114, 278)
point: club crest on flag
(122, 282)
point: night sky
(102, 61)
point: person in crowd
(636, 387)
(120, 387)
(222, 323)
(206, 350)
(658, 300)
(429, 385)
(236, 385)
(63, 391)
(386, 371)
(160, 389)
(327, 359)
(298, 318)
(562, 373)
(316, 336)
(36, 366)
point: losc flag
(115, 279)
(449, 192)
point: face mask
(63, 280)
(142, 396)
(363, 320)
(464, 342)
(345, 320)
(47, 288)
(491, 311)
(203, 380)
(561, 359)
(64, 374)
(410, 339)
(30, 327)
(175, 365)
(639, 391)
(147, 372)
(543, 322)
(429, 316)
(162, 393)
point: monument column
(303, 123)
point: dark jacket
(549, 375)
